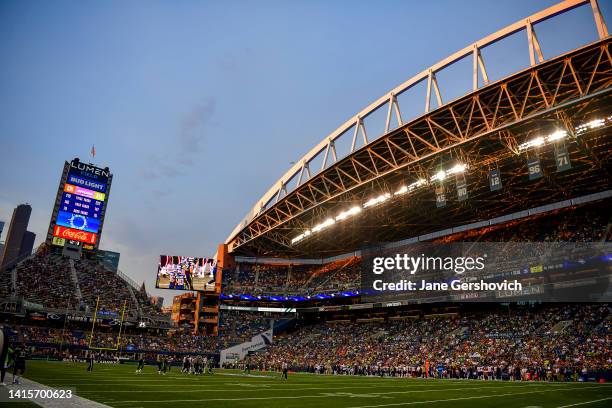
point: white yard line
(331, 395)
(456, 399)
(330, 388)
(584, 403)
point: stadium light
(377, 200)
(558, 135)
(348, 213)
(542, 140)
(593, 124)
(301, 236)
(402, 190)
(411, 187)
(457, 168)
(442, 174)
(323, 225)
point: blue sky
(198, 107)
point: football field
(120, 386)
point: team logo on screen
(77, 221)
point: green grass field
(119, 386)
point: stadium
(459, 257)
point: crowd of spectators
(168, 342)
(516, 344)
(293, 279)
(236, 327)
(102, 286)
(589, 223)
(45, 279)
(147, 306)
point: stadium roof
(386, 190)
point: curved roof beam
(327, 146)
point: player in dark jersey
(247, 366)
(160, 364)
(198, 365)
(172, 282)
(188, 277)
(19, 363)
(185, 365)
(140, 364)
(285, 370)
(90, 361)
(210, 365)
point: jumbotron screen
(80, 214)
(185, 273)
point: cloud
(191, 135)
(186, 144)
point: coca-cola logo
(75, 235)
(78, 236)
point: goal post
(93, 325)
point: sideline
(26, 384)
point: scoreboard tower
(79, 209)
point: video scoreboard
(78, 214)
(187, 273)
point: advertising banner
(75, 235)
(238, 352)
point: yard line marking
(455, 399)
(331, 387)
(328, 396)
(584, 403)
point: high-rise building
(27, 244)
(14, 237)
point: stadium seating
(487, 342)
(96, 282)
(45, 279)
(43, 337)
(238, 327)
(587, 223)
